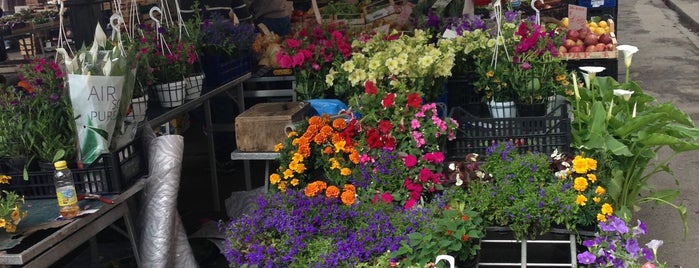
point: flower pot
(139, 107)
(554, 102)
(170, 94)
(531, 109)
(193, 86)
(502, 109)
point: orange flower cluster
(347, 195)
(324, 134)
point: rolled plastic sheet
(163, 239)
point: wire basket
(170, 94)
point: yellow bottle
(65, 191)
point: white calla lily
(628, 51)
(625, 94)
(592, 70)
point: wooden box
(261, 127)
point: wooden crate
(261, 127)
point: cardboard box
(263, 126)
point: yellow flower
(15, 215)
(5, 179)
(282, 186)
(607, 209)
(580, 184)
(297, 158)
(10, 228)
(592, 178)
(600, 190)
(300, 168)
(278, 147)
(561, 77)
(580, 165)
(345, 171)
(581, 200)
(294, 182)
(601, 217)
(339, 146)
(2, 223)
(596, 199)
(490, 74)
(334, 164)
(293, 165)
(591, 164)
(274, 178)
(288, 173)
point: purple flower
(640, 229)
(632, 247)
(526, 66)
(53, 98)
(586, 258)
(647, 254)
(511, 16)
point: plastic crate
(111, 173)
(220, 70)
(597, 3)
(611, 66)
(461, 93)
(536, 133)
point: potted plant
(536, 71)
(311, 50)
(45, 111)
(11, 212)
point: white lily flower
(628, 53)
(586, 78)
(633, 115)
(100, 37)
(592, 69)
(626, 94)
(107, 68)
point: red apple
(576, 49)
(562, 50)
(600, 47)
(591, 48)
(609, 47)
(572, 35)
(605, 38)
(568, 43)
(582, 32)
(590, 39)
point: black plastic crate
(461, 93)
(220, 70)
(111, 173)
(611, 66)
(536, 133)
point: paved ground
(667, 66)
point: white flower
(459, 181)
(626, 94)
(452, 166)
(628, 53)
(654, 245)
(592, 69)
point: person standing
(272, 13)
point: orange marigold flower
(345, 171)
(311, 131)
(305, 150)
(581, 200)
(326, 118)
(339, 124)
(354, 157)
(274, 178)
(5, 179)
(591, 164)
(282, 186)
(320, 138)
(348, 197)
(580, 165)
(580, 184)
(327, 130)
(315, 120)
(294, 182)
(349, 187)
(311, 189)
(607, 209)
(322, 185)
(332, 191)
(336, 138)
(300, 168)
(328, 150)
(600, 190)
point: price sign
(577, 17)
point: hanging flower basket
(139, 107)
(193, 86)
(170, 94)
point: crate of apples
(595, 41)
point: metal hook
(538, 15)
(150, 13)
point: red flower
(385, 126)
(434, 157)
(449, 232)
(370, 88)
(389, 100)
(409, 204)
(425, 175)
(465, 237)
(373, 138)
(389, 142)
(464, 218)
(414, 100)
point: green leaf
(616, 147)
(666, 195)
(636, 123)
(615, 184)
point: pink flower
(293, 43)
(386, 198)
(425, 175)
(415, 124)
(434, 157)
(409, 204)
(284, 60)
(410, 161)
(365, 158)
(315, 66)
(297, 60)
(417, 136)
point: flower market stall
(457, 133)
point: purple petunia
(586, 258)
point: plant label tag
(405, 12)
(597, 3)
(577, 17)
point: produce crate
(537, 133)
(220, 70)
(461, 93)
(612, 54)
(611, 66)
(111, 173)
(264, 125)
